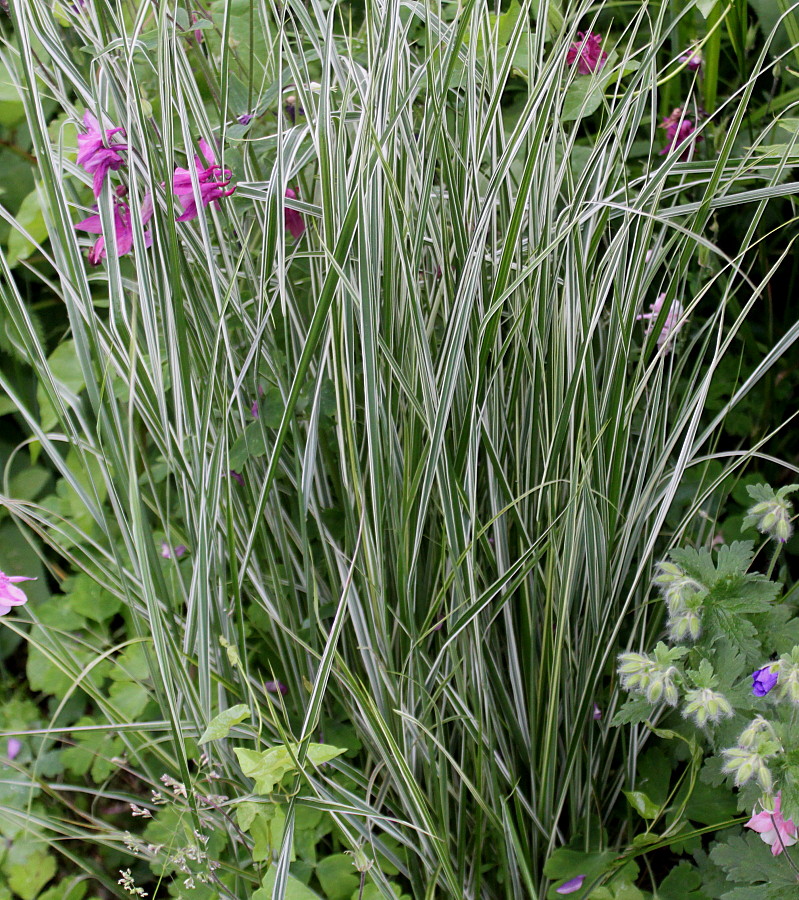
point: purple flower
(237, 476)
(294, 221)
(587, 53)
(10, 595)
(245, 119)
(93, 154)
(213, 180)
(569, 887)
(679, 129)
(168, 553)
(597, 713)
(763, 681)
(276, 687)
(13, 747)
(123, 230)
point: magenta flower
(764, 680)
(123, 230)
(776, 831)
(679, 129)
(93, 154)
(276, 687)
(692, 59)
(9, 594)
(587, 53)
(212, 179)
(569, 887)
(13, 747)
(671, 324)
(237, 476)
(294, 221)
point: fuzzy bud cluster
(771, 515)
(683, 596)
(788, 685)
(642, 674)
(706, 705)
(749, 759)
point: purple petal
(276, 687)
(569, 887)
(13, 747)
(763, 681)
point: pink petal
(15, 579)
(93, 225)
(207, 152)
(11, 595)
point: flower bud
(763, 776)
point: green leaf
(220, 725)
(129, 699)
(635, 711)
(30, 217)
(65, 891)
(28, 867)
(91, 600)
(645, 807)
(337, 876)
(583, 97)
(295, 890)
(12, 109)
(65, 367)
(267, 767)
(249, 444)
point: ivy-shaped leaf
(267, 767)
(220, 725)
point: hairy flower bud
(772, 517)
(749, 738)
(705, 706)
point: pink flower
(569, 887)
(93, 154)
(10, 595)
(294, 221)
(13, 747)
(777, 832)
(167, 552)
(212, 178)
(671, 324)
(679, 129)
(123, 230)
(587, 53)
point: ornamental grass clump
(427, 544)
